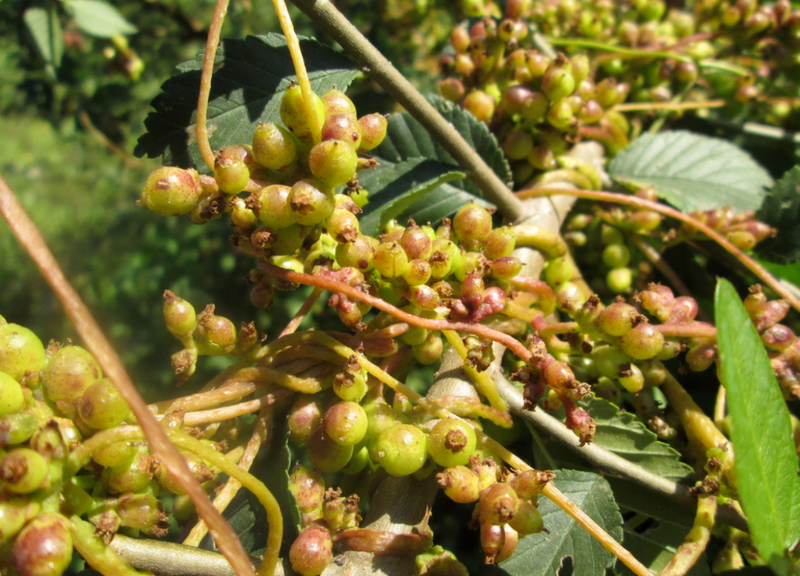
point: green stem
(97, 553)
(212, 43)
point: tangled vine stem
(212, 43)
(31, 239)
(759, 271)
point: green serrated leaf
(781, 210)
(406, 139)
(98, 18)
(568, 543)
(621, 433)
(249, 79)
(45, 29)
(396, 187)
(765, 457)
(692, 172)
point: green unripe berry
(43, 547)
(479, 104)
(18, 427)
(460, 484)
(342, 225)
(618, 319)
(230, 172)
(451, 442)
(14, 514)
(197, 467)
(414, 336)
(132, 476)
(358, 254)
(518, 145)
(472, 225)
(294, 116)
(69, 373)
(170, 191)
(560, 115)
(346, 423)
(102, 406)
(273, 146)
(616, 255)
(273, 207)
(609, 361)
(23, 471)
(619, 280)
(116, 454)
(11, 396)
(430, 350)
(333, 162)
(140, 511)
(558, 81)
(558, 271)
(310, 201)
(632, 381)
(179, 315)
(20, 351)
(401, 449)
(527, 520)
(391, 260)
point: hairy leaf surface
(406, 139)
(765, 457)
(692, 172)
(250, 77)
(781, 209)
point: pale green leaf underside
(692, 172)
(765, 458)
(781, 209)
(98, 18)
(45, 29)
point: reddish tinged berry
(43, 547)
(373, 131)
(273, 146)
(171, 191)
(308, 488)
(71, 370)
(141, 512)
(336, 102)
(493, 538)
(326, 454)
(618, 319)
(197, 467)
(311, 553)
(333, 162)
(642, 342)
(518, 145)
(20, 351)
(342, 127)
(346, 423)
(304, 417)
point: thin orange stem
(645, 106)
(212, 43)
(759, 271)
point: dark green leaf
(781, 210)
(765, 456)
(568, 543)
(45, 29)
(406, 139)
(249, 79)
(624, 435)
(98, 18)
(396, 187)
(692, 172)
